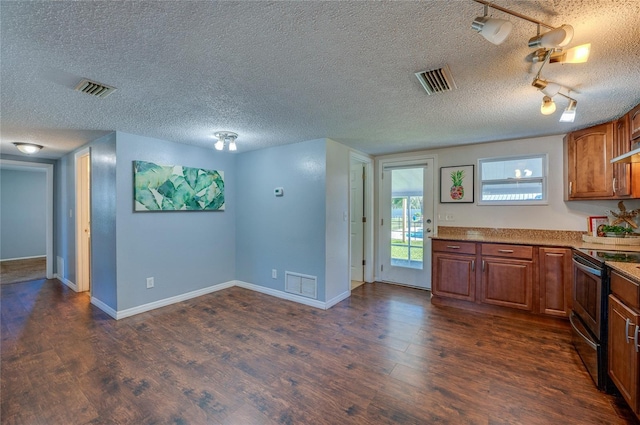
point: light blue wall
(103, 227)
(23, 216)
(282, 233)
(103, 220)
(185, 250)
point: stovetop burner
(607, 255)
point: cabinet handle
(570, 188)
(635, 338)
(614, 185)
(473, 265)
(506, 251)
(482, 266)
(453, 247)
(626, 330)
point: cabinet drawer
(510, 251)
(454, 246)
(625, 289)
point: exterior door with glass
(406, 210)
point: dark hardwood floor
(386, 355)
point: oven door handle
(587, 269)
(583, 336)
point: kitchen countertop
(560, 238)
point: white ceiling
(288, 71)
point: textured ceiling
(288, 71)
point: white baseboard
(67, 282)
(337, 299)
(23, 258)
(121, 314)
(102, 306)
(282, 294)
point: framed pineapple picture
(456, 184)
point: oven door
(589, 350)
(587, 293)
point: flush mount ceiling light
(28, 148)
(225, 138)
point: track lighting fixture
(551, 50)
(28, 148)
(225, 137)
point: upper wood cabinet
(621, 145)
(588, 170)
(634, 124)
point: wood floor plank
(386, 355)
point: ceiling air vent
(436, 80)
(94, 89)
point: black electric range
(589, 314)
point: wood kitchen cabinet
(507, 276)
(454, 270)
(634, 124)
(555, 280)
(588, 171)
(624, 329)
(621, 145)
(486, 276)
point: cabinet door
(589, 172)
(623, 357)
(454, 276)
(507, 282)
(634, 124)
(555, 281)
(621, 145)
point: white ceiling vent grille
(94, 89)
(436, 80)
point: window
(513, 181)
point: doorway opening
(360, 219)
(83, 219)
(48, 169)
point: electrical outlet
(449, 217)
(150, 282)
(274, 274)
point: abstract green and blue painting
(176, 188)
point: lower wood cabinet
(624, 338)
(454, 270)
(507, 276)
(523, 277)
(555, 281)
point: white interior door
(357, 225)
(83, 221)
(406, 211)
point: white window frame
(545, 174)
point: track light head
(494, 30)
(548, 106)
(569, 114)
(558, 37)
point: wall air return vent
(94, 89)
(436, 80)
